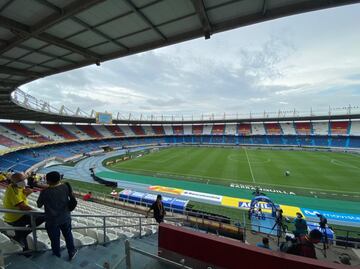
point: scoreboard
(103, 118)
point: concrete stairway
(92, 257)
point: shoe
(72, 255)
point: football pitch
(332, 174)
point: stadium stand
(207, 128)
(230, 129)
(354, 128)
(158, 130)
(15, 136)
(137, 129)
(178, 129)
(89, 130)
(115, 130)
(102, 130)
(273, 128)
(339, 127)
(168, 129)
(148, 130)
(320, 128)
(37, 128)
(7, 142)
(25, 132)
(72, 128)
(60, 131)
(258, 129)
(187, 129)
(288, 128)
(197, 129)
(127, 131)
(218, 129)
(303, 128)
(244, 129)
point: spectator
(300, 225)
(306, 243)
(55, 199)
(88, 197)
(158, 208)
(15, 198)
(264, 244)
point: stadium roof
(39, 38)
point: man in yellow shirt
(15, 198)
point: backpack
(72, 200)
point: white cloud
(302, 61)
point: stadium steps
(92, 257)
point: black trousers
(25, 221)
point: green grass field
(333, 174)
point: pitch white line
(247, 157)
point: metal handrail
(128, 250)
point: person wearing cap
(300, 225)
(158, 208)
(15, 198)
(55, 199)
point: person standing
(300, 225)
(15, 198)
(55, 199)
(158, 208)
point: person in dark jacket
(55, 199)
(306, 244)
(300, 225)
(158, 208)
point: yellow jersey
(13, 196)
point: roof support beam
(204, 20)
(18, 72)
(24, 32)
(96, 31)
(144, 18)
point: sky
(305, 61)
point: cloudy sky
(302, 61)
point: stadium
(223, 178)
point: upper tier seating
(148, 130)
(127, 131)
(218, 129)
(187, 129)
(287, 128)
(7, 142)
(158, 130)
(90, 131)
(273, 128)
(115, 130)
(258, 129)
(244, 129)
(137, 130)
(24, 131)
(207, 128)
(60, 131)
(230, 128)
(197, 129)
(38, 128)
(320, 128)
(102, 130)
(74, 130)
(355, 128)
(168, 129)
(303, 128)
(178, 129)
(339, 127)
